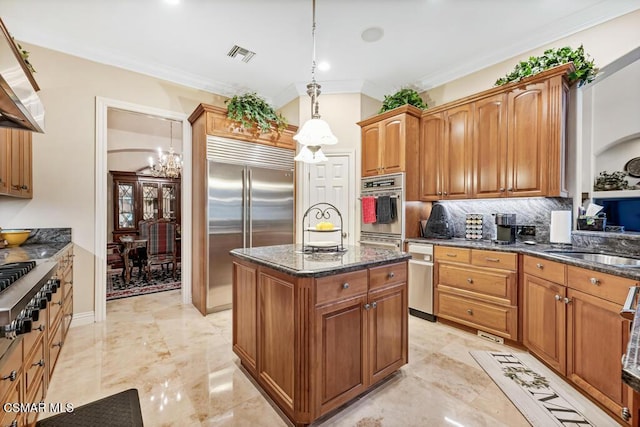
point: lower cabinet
(572, 322)
(315, 344)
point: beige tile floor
(187, 375)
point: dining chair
(161, 246)
(114, 256)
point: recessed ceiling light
(324, 66)
(372, 34)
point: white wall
(64, 156)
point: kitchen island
(316, 330)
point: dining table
(130, 243)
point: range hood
(20, 105)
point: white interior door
(333, 182)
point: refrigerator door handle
(244, 208)
(250, 210)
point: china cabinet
(140, 198)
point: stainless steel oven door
(394, 227)
(391, 185)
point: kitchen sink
(614, 260)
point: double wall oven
(391, 234)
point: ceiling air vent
(245, 53)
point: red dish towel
(368, 210)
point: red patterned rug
(161, 280)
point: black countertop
(542, 250)
(289, 259)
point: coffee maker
(505, 228)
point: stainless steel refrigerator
(251, 204)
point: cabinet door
(20, 169)
(387, 330)
(527, 137)
(371, 140)
(543, 318)
(169, 202)
(490, 146)
(150, 197)
(431, 140)
(245, 292)
(5, 154)
(341, 338)
(393, 143)
(458, 155)
(596, 340)
(124, 205)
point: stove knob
(10, 330)
(33, 312)
(23, 325)
(41, 301)
(55, 285)
(48, 294)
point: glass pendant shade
(310, 154)
(315, 132)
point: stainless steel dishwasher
(421, 281)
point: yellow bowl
(15, 237)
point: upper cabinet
(446, 154)
(390, 145)
(509, 141)
(15, 163)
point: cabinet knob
(391, 275)
(594, 281)
(567, 300)
(38, 363)
(625, 414)
(374, 304)
(24, 187)
(540, 266)
(345, 285)
(470, 312)
(439, 193)
(502, 189)
(39, 328)
(470, 280)
(11, 377)
(367, 306)
(558, 297)
(58, 344)
(445, 193)
(510, 189)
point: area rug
(539, 394)
(118, 410)
(161, 280)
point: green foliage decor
(402, 97)
(585, 70)
(252, 111)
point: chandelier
(168, 165)
(315, 132)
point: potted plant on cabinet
(253, 113)
(400, 98)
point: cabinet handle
(58, 344)
(59, 302)
(391, 275)
(502, 189)
(439, 193)
(510, 189)
(11, 377)
(558, 297)
(540, 266)
(24, 187)
(38, 363)
(345, 285)
(567, 300)
(469, 311)
(594, 281)
(470, 280)
(492, 259)
(446, 194)
(625, 414)
(39, 328)
(374, 304)
(367, 306)
(452, 255)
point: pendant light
(315, 132)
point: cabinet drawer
(340, 286)
(385, 275)
(55, 345)
(55, 306)
(494, 259)
(10, 368)
(548, 270)
(606, 286)
(37, 332)
(496, 319)
(446, 253)
(497, 285)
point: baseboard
(80, 319)
(422, 315)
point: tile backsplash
(534, 211)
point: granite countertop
(27, 252)
(542, 250)
(289, 259)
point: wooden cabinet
(509, 141)
(543, 310)
(446, 154)
(314, 344)
(477, 288)
(390, 145)
(571, 321)
(16, 163)
(140, 198)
